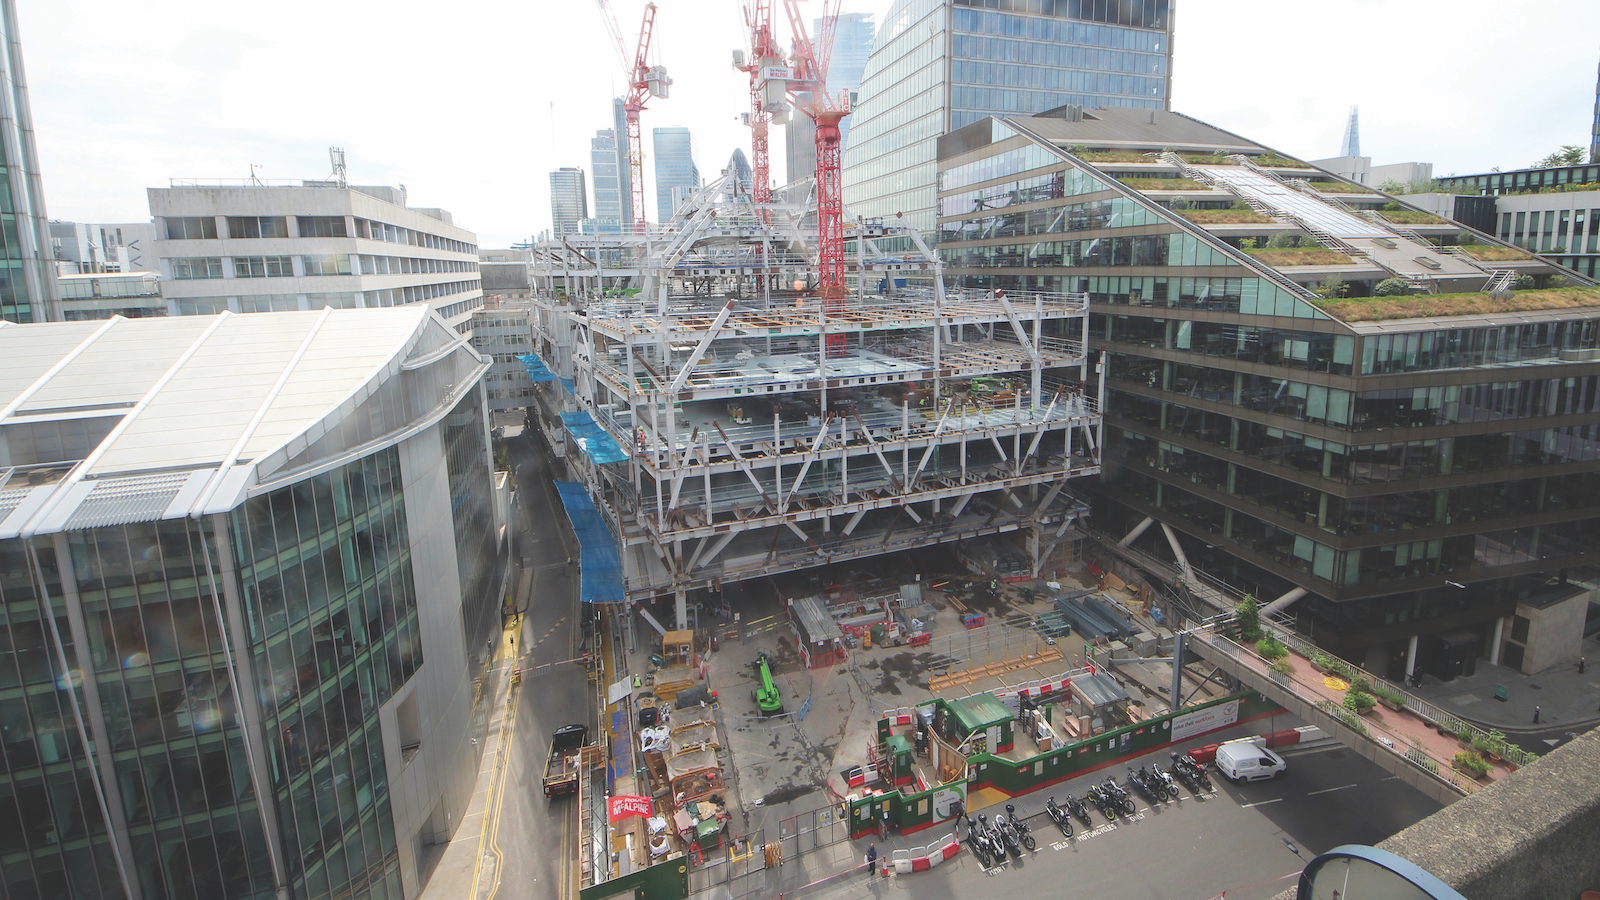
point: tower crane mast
(644, 82)
(764, 109)
(810, 89)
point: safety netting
(593, 440)
(537, 370)
(600, 566)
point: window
(258, 227)
(184, 267)
(269, 303)
(322, 226)
(334, 264)
(201, 306)
(191, 228)
(262, 266)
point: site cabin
(561, 766)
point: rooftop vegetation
(1339, 187)
(1495, 253)
(1300, 256)
(1224, 217)
(1104, 156)
(1411, 217)
(1164, 184)
(1418, 306)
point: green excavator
(767, 697)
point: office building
(249, 247)
(619, 126)
(244, 552)
(937, 65)
(27, 278)
(101, 295)
(1349, 457)
(502, 331)
(1594, 131)
(743, 176)
(569, 204)
(677, 176)
(1351, 165)
(81, 248)
(1351, 145)
(608, 183)
(1553, 211)
(852, 45)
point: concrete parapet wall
(1535, 833)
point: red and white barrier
(921, 859)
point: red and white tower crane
(644, 82)
(809, 86)
(764, 57)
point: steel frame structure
(772, 429)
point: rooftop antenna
(336, 156)
(253, 179)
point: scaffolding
(768, 429)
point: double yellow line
(497, 786)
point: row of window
(186, 268)
(210, 306)
(1113, 212)
(1035, 189)
(1021, 59)
(1523, 230)
(1307, 350)
(181, 228)
(1141, 250)
(1138, 13)
(1460, 348)
(1045, 78)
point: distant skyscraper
(607, 185)
(569, 203)
(1594, 138)
(938, 65)
(27, 273)
(675, 168)
(1351, 145)
(619, 125)
(852, 45)
(741, 170)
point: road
(1243, 839)
(535, 838)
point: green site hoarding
(910, 812)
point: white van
(1244, 760)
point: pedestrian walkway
(1564, 696)
(466, 867)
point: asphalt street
(535, 837)
(1242, 839)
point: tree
(1283, 240)
(1249, 619)
(1332, 289)
(1568, 155)
(1392, 287)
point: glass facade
(27, 266)
(325, 568)
(938, 65)
(466, 448)
(1368, 466)
(675, 168)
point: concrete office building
(938, 65)
(81, 248)
(253, 247)
(852, 45)
(569, 200)
(677, 177)
(1353, 460)
(132, 295)
(1553, 211)
(27, 271)
(608, 182)
(275, 553)
(1351, 165)
(503, 331)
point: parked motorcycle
(1141, 783)
(1168, 787)
(1024, 833)
(1008, 835)
(1103, 802)
(1191, 773)
(1119, 795)
(1076, 807)
(1060, 816)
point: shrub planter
(1392, 705)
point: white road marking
(1330, 790)
(1261, 803)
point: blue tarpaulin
(537, 370)
(601, 568)
(592, 439)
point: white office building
(257, 247)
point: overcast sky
(471, 103)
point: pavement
(1246, 840)
(1567, 700)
